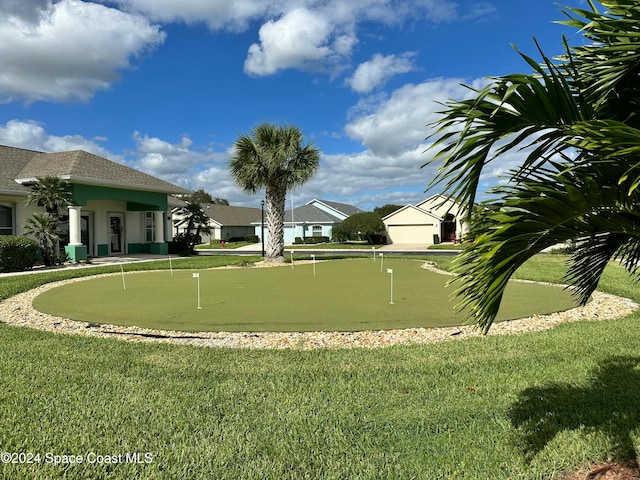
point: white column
(75, 216)
(158, 220)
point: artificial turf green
(342, 295)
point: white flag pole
(197, 275)
(373, 250)
(124, 284)
(381, 261)
(313, 258)
(170, 266)
(291, 259)
(390, 271)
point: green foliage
(360, 226)
(576, 122)
(43, 227)
(203, 197)
(251, 238)
(386, 209)
(17, 253)
(273, 157)
(52, 193)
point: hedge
(17, 253)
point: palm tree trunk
(275, 198)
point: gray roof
(78, 166)
(230, 216)
(12, 161)
(345, 208)
(310, 214)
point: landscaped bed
(338, 295)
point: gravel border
(18, 310)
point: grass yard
(342, 295)
(513, 407)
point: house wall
(20, 211)
(412, 225)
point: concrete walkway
(95, 262)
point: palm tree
(42, 226)
(577, 119)
(196, 219)
(52, 193)
(273, 157)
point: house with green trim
(116, 209)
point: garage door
(411, 233)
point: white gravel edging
(18, 310)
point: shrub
(314, 240)
(298, 241)
(17, 253)
(251, 238)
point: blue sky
(167, 86)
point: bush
(17, 253)
(250, 238)
(314, 240)
(298, 241)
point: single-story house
(226, 221)
(116, 210)
(316, 218)
(434, 220)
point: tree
(53, 194)
(197, 223)
(387, 209)
(42, 227)
(359, 226)
(577, 120)
(273, 157)
(203, 197)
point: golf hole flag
(389, 270)
(196, 275)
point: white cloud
(376, 72)
(299, 39)
(301, 34)
(72, 53)
(32, 135)
(397, 124)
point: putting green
(342, 295)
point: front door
(116, 236)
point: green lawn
(342, 295)
(505, 407)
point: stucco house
(436, 219)
(316, 218)
(116, 209)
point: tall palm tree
(273, 157)
(577, 119)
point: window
(6, 220)
(317, 230)
(149, 227)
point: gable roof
(19, 167)
(340, 208)
(310, 214)
(403, 210)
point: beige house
(434, 220)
